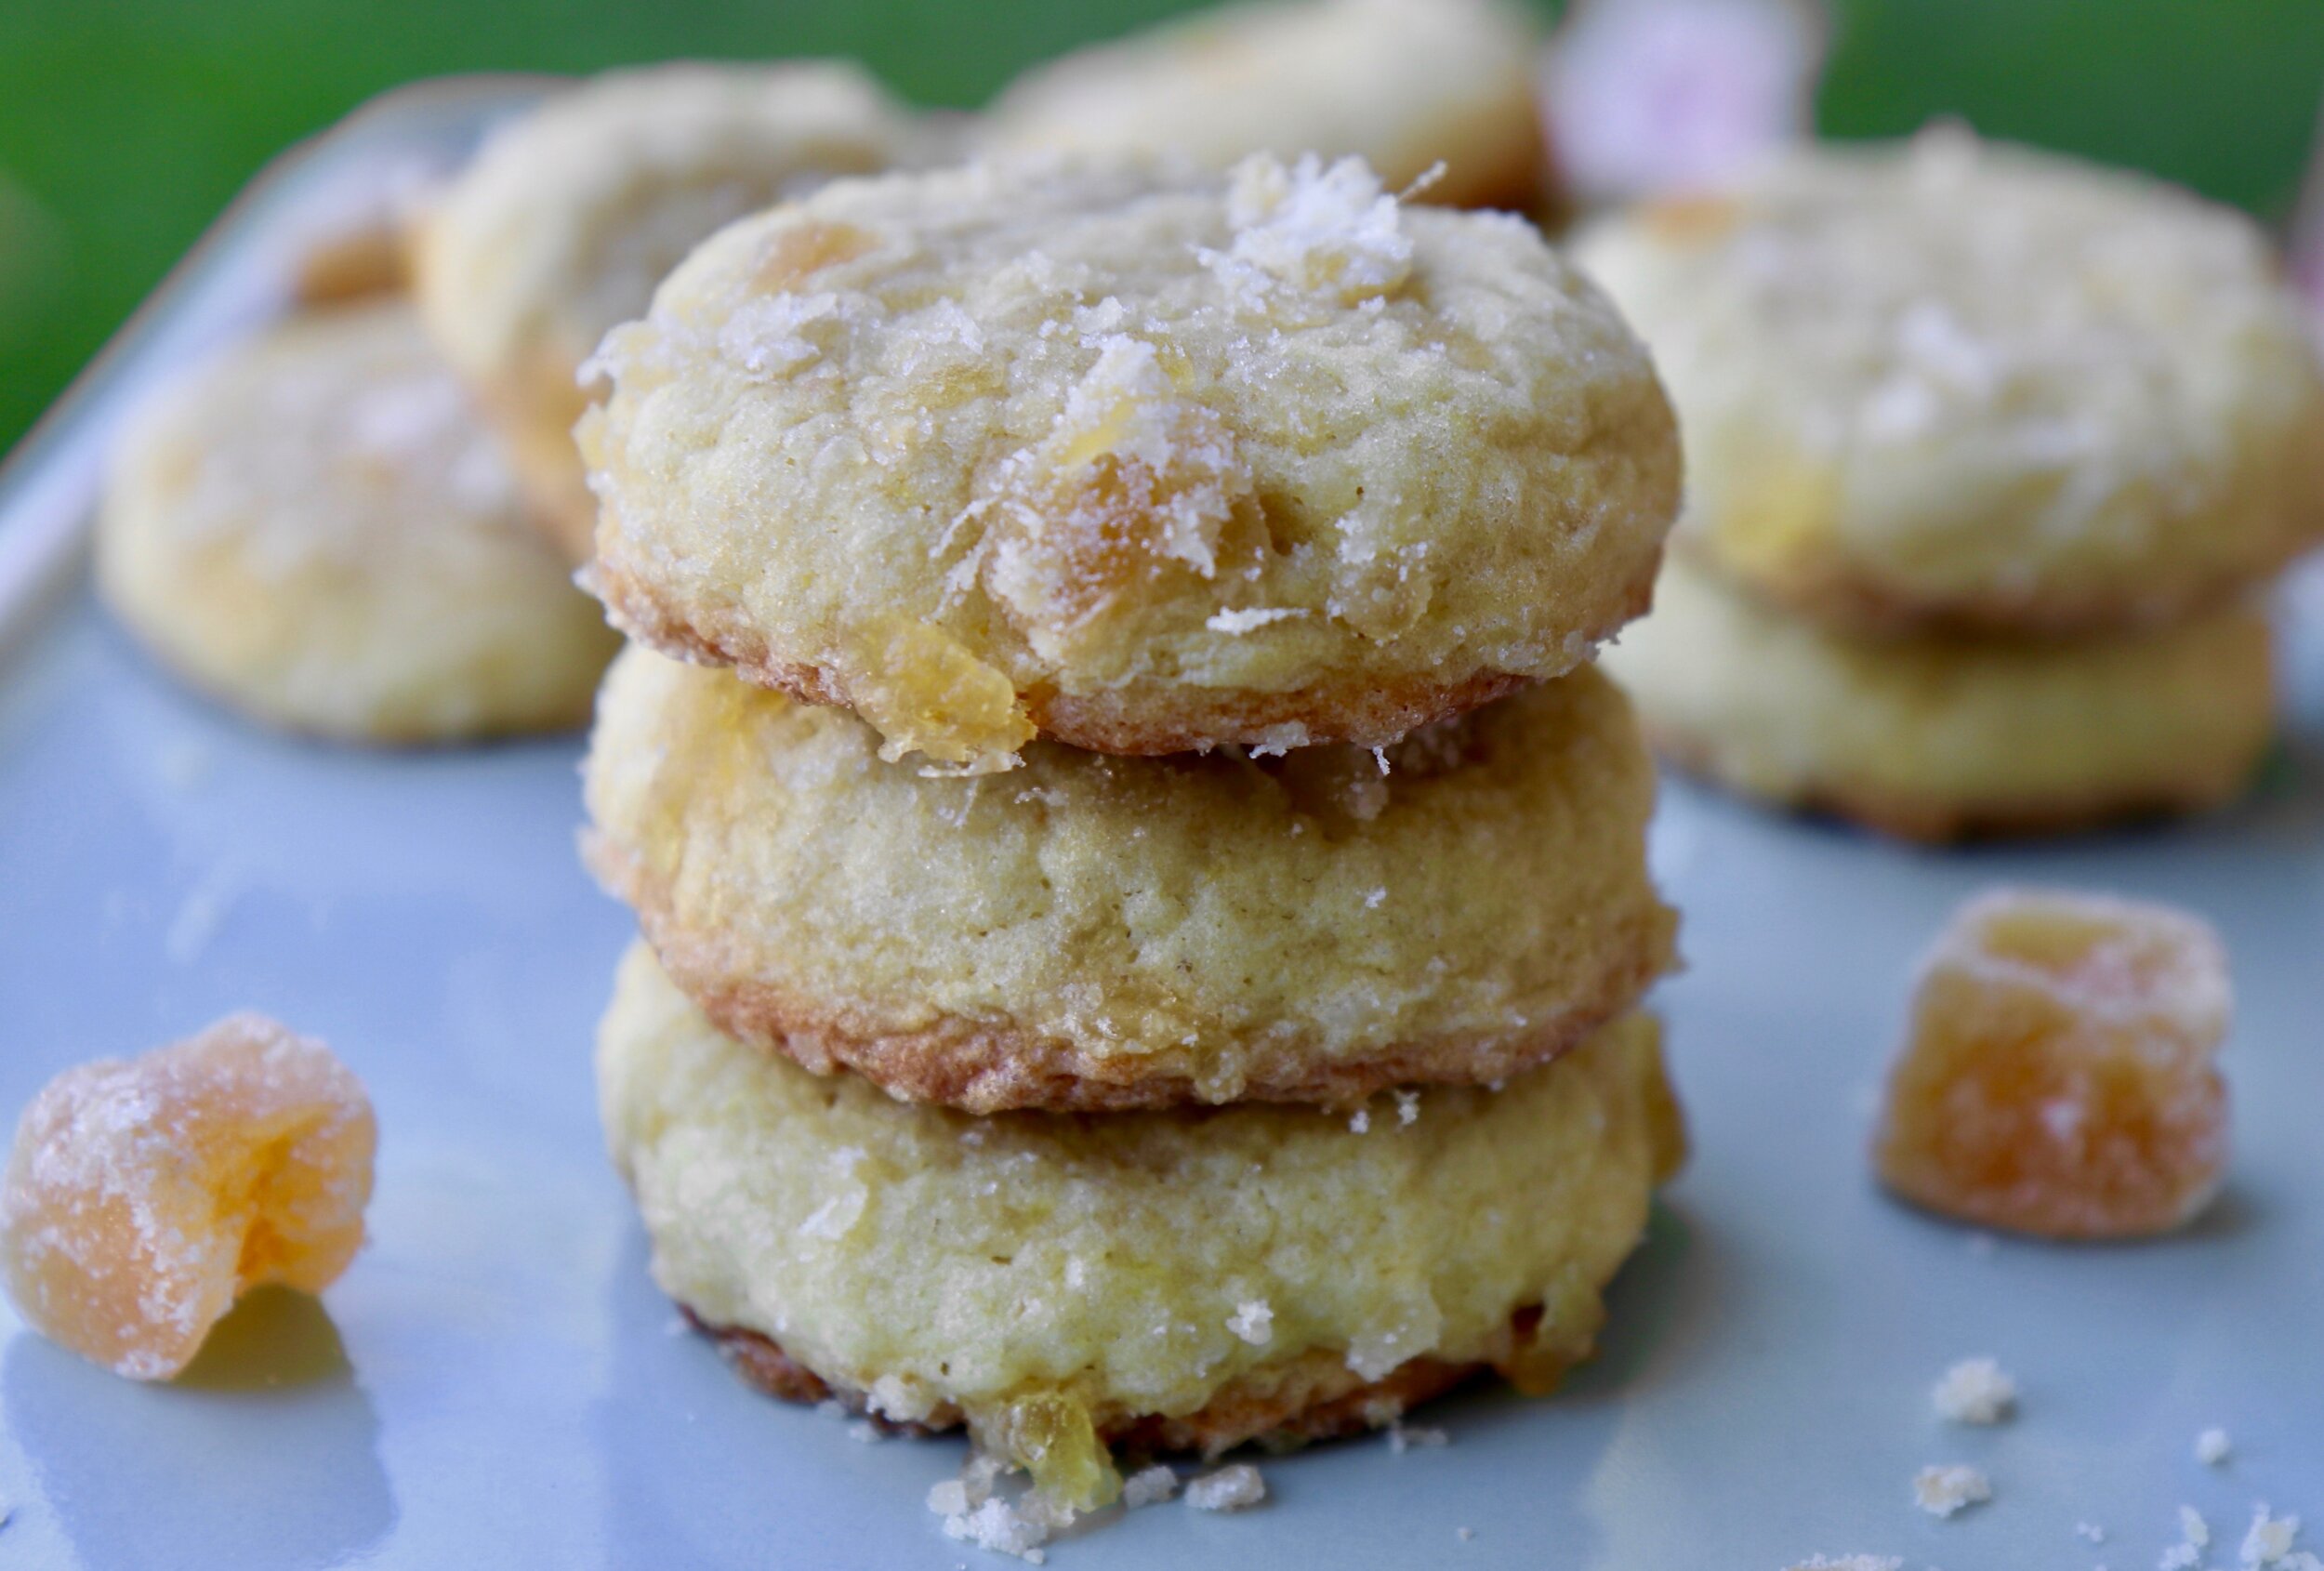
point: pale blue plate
(496, 1384)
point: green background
(125, 125)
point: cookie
(1938, 739)
(316, 528)
(569, 216)
(1136, 460)
(1176, 1279)
(1096, 932)
(1947, 386)
(1406, 85)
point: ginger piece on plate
(143, 1196)
(2058, 1075)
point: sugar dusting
(1330, 230)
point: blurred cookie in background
(571, 214)
(1947, 738)
(1404, 84)
(318, 528)
(1947, 385)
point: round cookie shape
(1181, 1280)
(317, 528)
(1141, 461)
(570, 215)
(1405, 85)
(1941, 739)
(1945, 386)
(1098, 932)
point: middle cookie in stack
(1174, 465)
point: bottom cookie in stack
(1190, 1279)
(1938, 739)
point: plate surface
(497, 1383)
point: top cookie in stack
(1136, 459)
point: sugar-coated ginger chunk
(143, 1196)
(2058, 1077)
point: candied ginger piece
(1136, 482)
(2058, 1077)
(1053, 1436)
(926, 693)
(144, 1196)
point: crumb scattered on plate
(1149, 1487)
(1406, 1437)
(1974, 1391)
(2269, 1540)
(1942, 1490)
(1237, 1488)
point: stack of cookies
(1144, 895)
(1987, 454)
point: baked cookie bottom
(1932, 821)
(1855, 602)
(1318, 1398)
(1140, 720)
(984, 1067)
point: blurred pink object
(1645, 96)
(2306, 241)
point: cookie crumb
(2269, 1540)
(2194, 1537)
(2090, 1533)
(1944, 1490)
(1237, 1487)
(1402, 1439)
(998, 1525)
(1149, 1487)
(1974, 1391)
(2212, 1448)
(1407, 1108)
